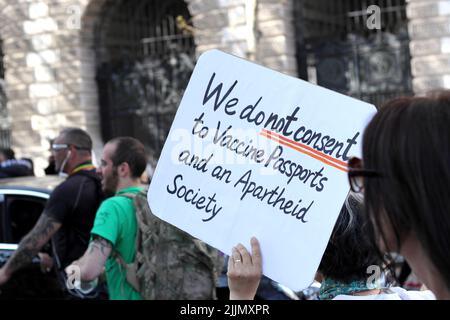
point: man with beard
(69, 212)
(122, 164)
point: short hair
(408, 143)
(351, 248)
(8, 153)
(131, 151)
(78, 137)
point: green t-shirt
(116, 221)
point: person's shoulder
(64, 186)
(70, 186)
(86, 176)
(115, 202)
(75, 180)
(137, 190)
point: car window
(21, 214)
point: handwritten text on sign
(253, 152)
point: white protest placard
(253, 152)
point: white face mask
(61, 172)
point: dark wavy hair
(408, 143)
(351, 248)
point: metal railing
(146, 57)
(337, 48)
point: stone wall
(259, 30)
(50, 58)
(429, 30)
(50, 62)
(50, 67)
(44, 63)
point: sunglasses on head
(62, 146)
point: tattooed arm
(30, 245)
(91, 264)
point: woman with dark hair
(351, 251)
(351, 268)
(406, 183)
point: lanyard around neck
(83, 167)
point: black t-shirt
(74, 204)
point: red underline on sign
(305, 149)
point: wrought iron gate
(4, 125)
(337, 49)
(145, 59)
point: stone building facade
(52, 50)
(429, 30)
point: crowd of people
(92, 222)
(399, 202)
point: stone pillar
(429, 30)
(259, 30)
(275, 23)
(43, 62)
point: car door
(20, 209)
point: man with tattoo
(114, 232)
(70, 211)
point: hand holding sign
(253, 152)
(244, 271)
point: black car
(22, 201)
